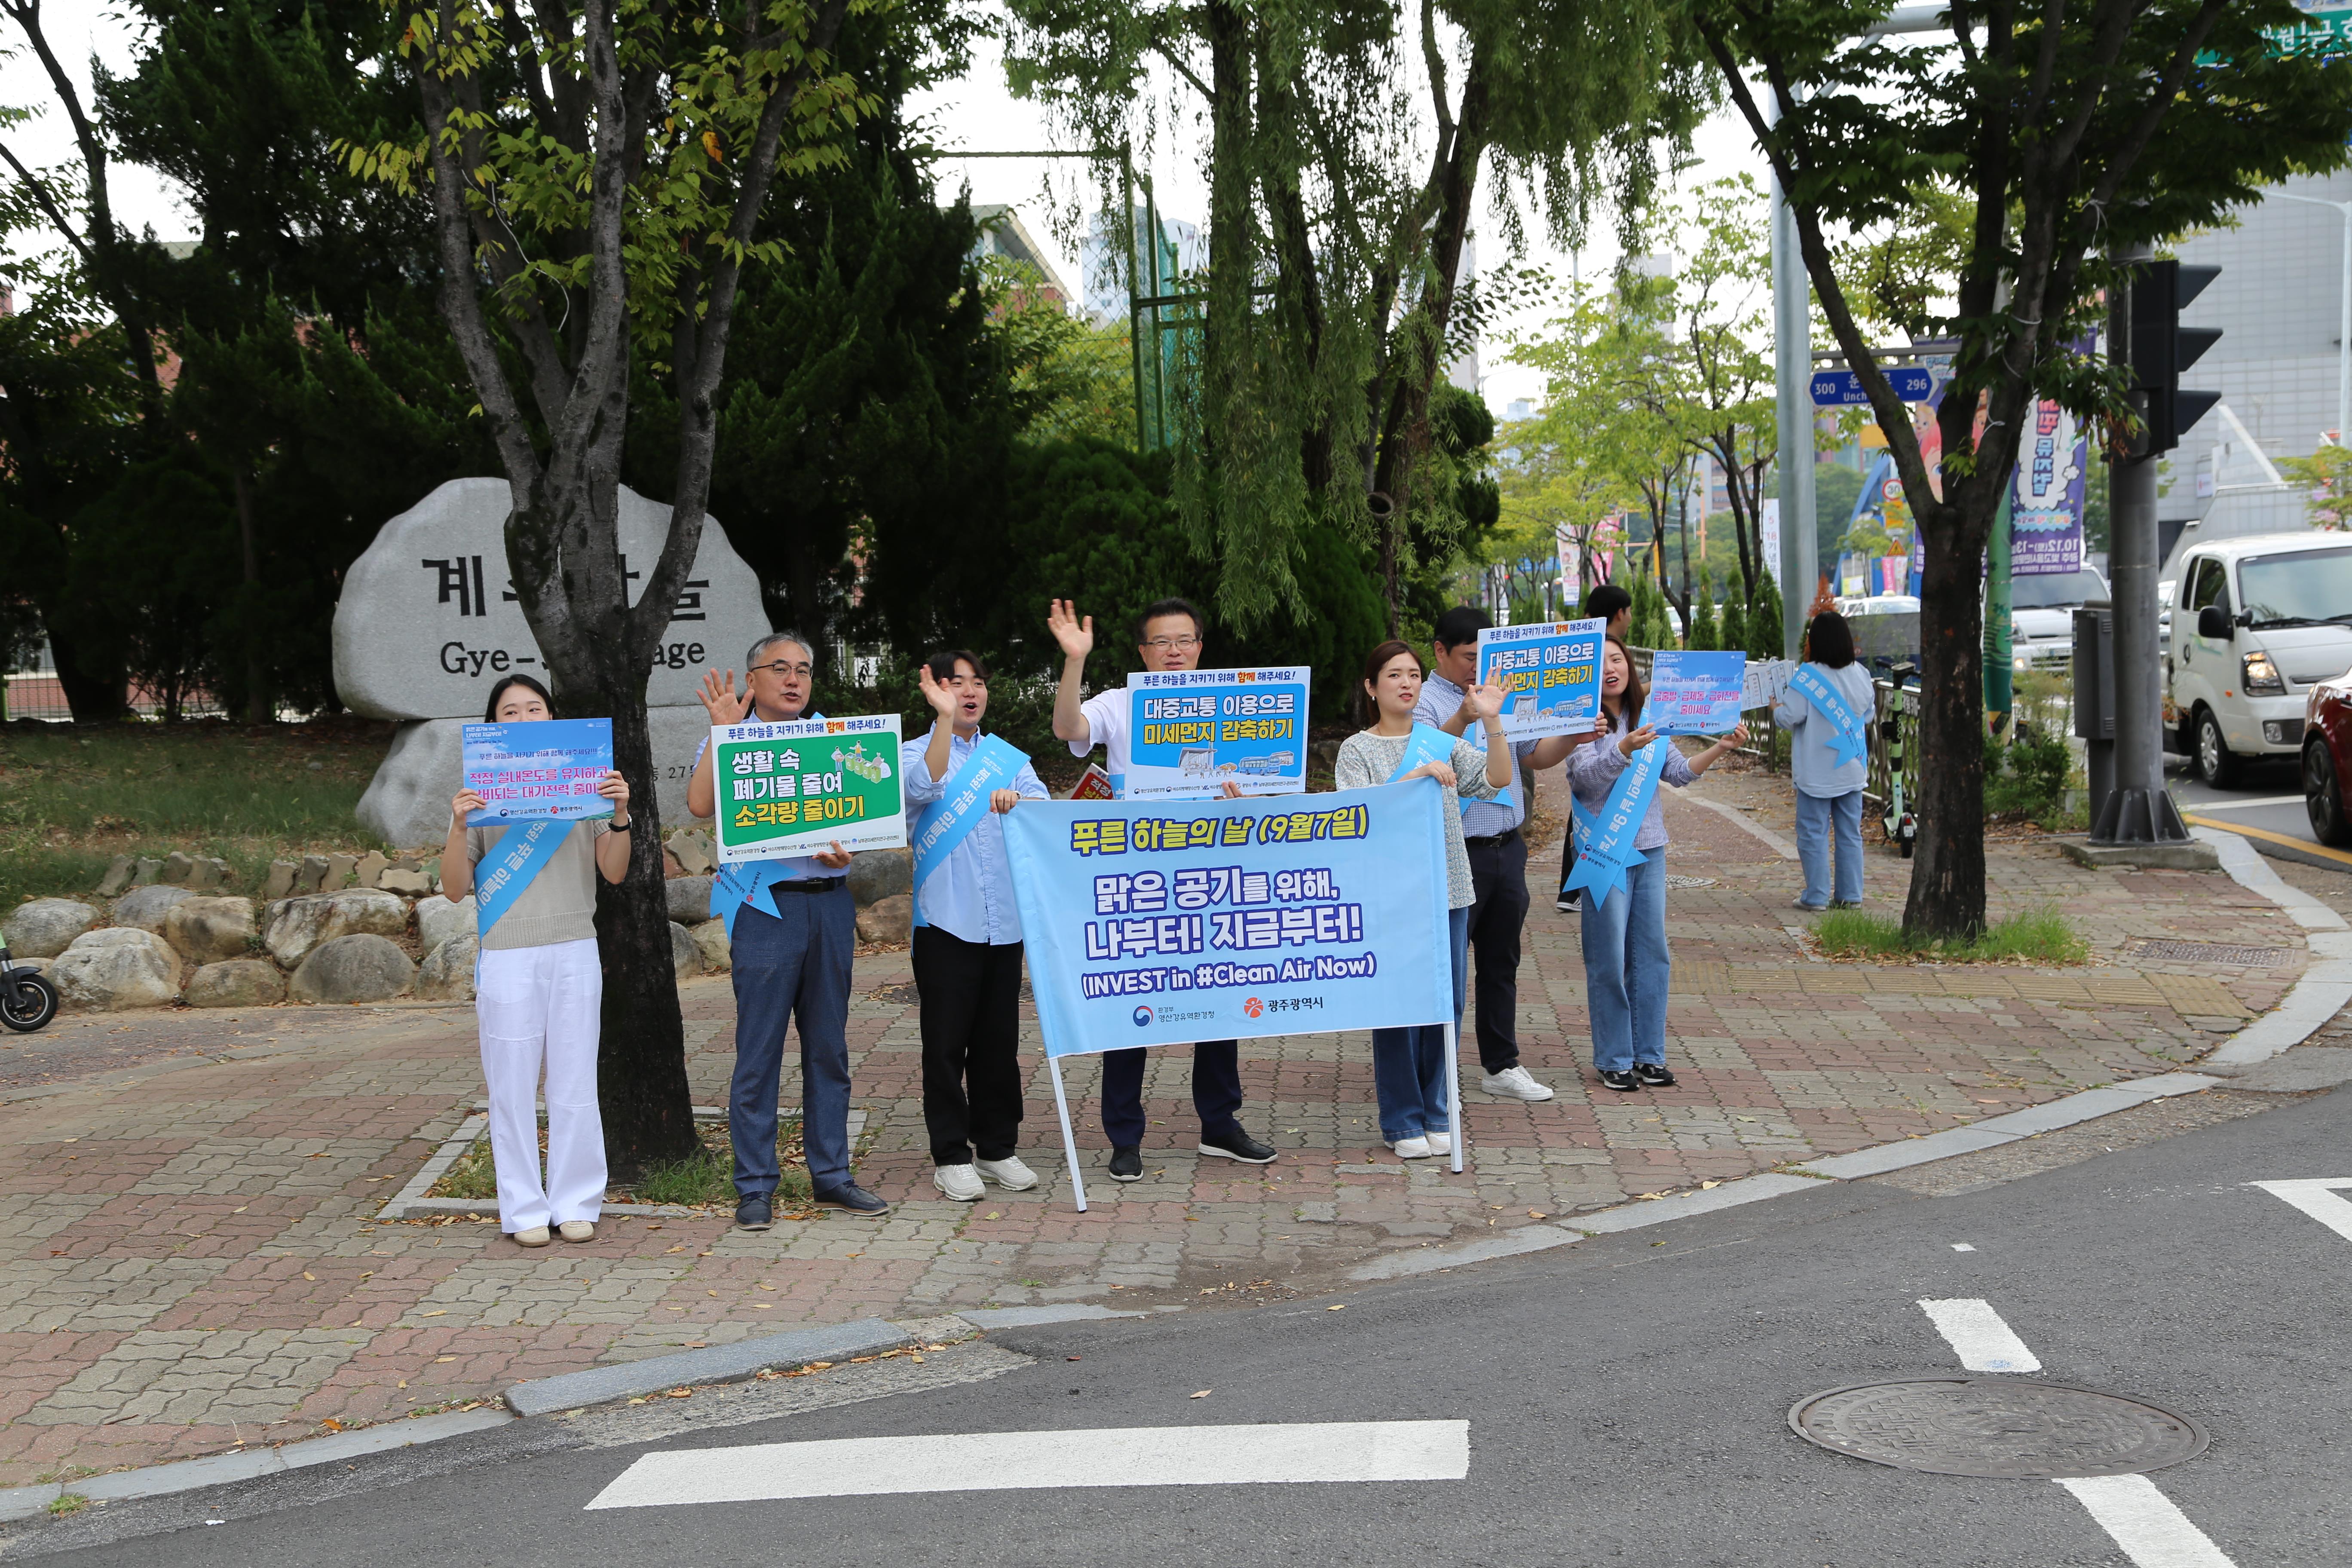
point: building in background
(1102, 264)
(1003, 235)
(2278, 303)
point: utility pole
(1793, 371)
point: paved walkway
(188, 1260)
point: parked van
(2253, 624)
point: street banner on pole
(1695, 693)
(547, 771)
(1193, 730)
(793, 788)
(1767, 528)
(2045, 519)
(1550, 672)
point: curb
(192, 1474)
(716, 1364)
(2325, 989)
(2086, 1106)
(1779, 844)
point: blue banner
(1191, 731)
(546, 771)
(514, 862)
(991, 765)
(1695, 693)
(1549, 673)
(1606, 848)
(1157, 924)
(1846, 738)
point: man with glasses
(792, 945)
(1168, 637)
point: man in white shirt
(1498, 855)
(1168, 637)
(792, 963)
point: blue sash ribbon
(1428, 743)
(731, 887)
(993, 764)
(1605, 842)
(514, 862)
(1846, 738)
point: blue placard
(1191, 731)
(1695, 693)
(1551, 675)
(1153, 925)
(1843, 388)
(543, 772)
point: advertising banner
(1152, 924)
(2045, 514)
(1696, 694)
(547, 771)
(793, 788)
(1551, 672)
(1190, 732)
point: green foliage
(2025, 777)
(1836, 487)
(2039, 935)
(1734, 634)
(2326, 475)
(1653, 625)
(1703, 633)
(1764, 614)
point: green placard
(797, 787)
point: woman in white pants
(538, 993)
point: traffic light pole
(1793, 349)
(2137, 811)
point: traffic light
(2161, 348)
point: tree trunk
(91, 698)
(641, 1084)
(1948, 873)
(258, 708)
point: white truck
(2250, 625)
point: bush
(1763, 626)
(1703, 633)
(2026, 777)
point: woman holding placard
(967, 943)
(539, 989)
(1408, 1064)
(1621, 870)
(1826, 711)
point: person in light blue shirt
(792, 952)
(968, 951)
(1498, 855)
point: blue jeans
(1626, 966)
(793, 969)
(1408, 1064)
(1816, 815)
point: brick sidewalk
(187, 1261)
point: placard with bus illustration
(1191, 731)
(795, 787)
(1552, 673)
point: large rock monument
(428, 623)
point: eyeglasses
(1174, 645)
(782, 669)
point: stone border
(410, 1202)
(714, 1363)
(2326, 987)
(1779, 843)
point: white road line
(2317, 1198)
(2153, 1531)
(2245, 805)
(1977, 1334)
(998, 1461)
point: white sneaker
(577, 1230)
(1439, 1142)
(961, 1182)
(537, 1235)
(1412, 1148)
(1008, 1172)
(1513, 1083)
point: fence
(38, 694)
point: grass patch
(72, 798)
(706, 1177)
(69, 1502)
(2038, 935)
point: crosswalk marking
(1978, 1335)
(999, 1461)
(2318, 1197)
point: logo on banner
(1254, 1007)
(1143, 1017)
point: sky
(975, 111)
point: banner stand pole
(1069, 1138)
(1453, 1091)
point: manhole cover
(1996, 1426)
(1673, 880)
(2206, 952)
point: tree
(597, 180)
(1341, 203)
(2069, 130)
(2329, 474)
(1727, 407)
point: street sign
(1843, 388)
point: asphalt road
(2268, 804)
(1626, 1402)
